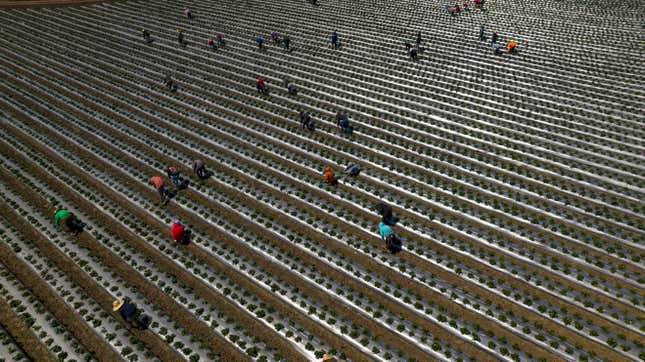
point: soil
(20, 332)
(262, 331)
(179, 314)
(358, 258)
(412, 285)
(450, 277)
(67, 316)
(312, 290)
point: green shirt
(60, 214)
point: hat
(117, 304)
(178, 30)
(326, 357)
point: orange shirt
(157, 181)
(328, 176)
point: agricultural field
(519, 181)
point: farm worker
(125, 309)
(305, 119)
(339, 117)
(275, 37)
(482, 30)
(188, 13)
(414, 53)
(158, 183)
(173, 175)
(328, 175)
(494, 38)
(418, 38)
(261, 87)
(68, 221)
(497, 48)
(352, 170)
(334, 39)
(385, 211)
(168, 82)
(211, 43)
(146, 35)
(199, 169)
(179, 233)
(510, 46)
(385, 230)
(259, 40)
(286, 42)
(131, 314)
(220, 40)
(180, 37)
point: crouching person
(392, 242)
(200, 169)
(131, 314)
(328, 176)
(385, 211)
(68, 222)
(352, 170)
(176, 179)
(179, 233)
(165, 194)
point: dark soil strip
(18, 329)
(153, 343)
(152, 293)
(41, 290)
(340, 344)
(409, 284)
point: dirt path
(20, 332)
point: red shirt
(177, 231)
(260, 80)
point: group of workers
(391, 241)
(511, 46)
(454, 10)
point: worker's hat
(326, 357)
(117, 304)
(178, 30)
